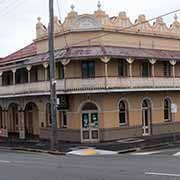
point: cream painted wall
(113, 39)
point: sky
(18, 18)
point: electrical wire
(5, 5)
(3, 1)
(64, 35)
(125, 28)
(8, 8)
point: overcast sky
(18, 17)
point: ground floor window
(123, 113)
(63, 119)
(167, 109)
(48, 114)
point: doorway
(89, 123)
(146, 118)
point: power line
(5, 4)
(64, 35)
(3, 1)
(8, 8)
(125, 28)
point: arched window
(48, 114)
(145, 104)
(123, 113)
(167, 109)
(89, 106)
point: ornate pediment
(100, 20)
(85, 22)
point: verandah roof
(99, 51)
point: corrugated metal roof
(28, 54)
(27, 51)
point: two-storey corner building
(115, 79)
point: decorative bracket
(105, 59)
(172, 62)
(152, 61)
(130, 60)
(65, 62)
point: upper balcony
(92, 76)
(101, 84)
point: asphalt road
(160, 165)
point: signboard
(174, 108)
(62, 102)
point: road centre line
(162, 174)
(3, 161)
(146, 153)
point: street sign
(62, 102)
(174, 108)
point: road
(158, 165)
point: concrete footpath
(120, 146)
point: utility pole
(52, 76)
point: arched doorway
(146, 117)
(31, 120)
(89, 123)
(13, 120)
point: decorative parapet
(100, 20)
(122, 20)
(159, 26)
(41, 29)
(175, 27)
(142, 25)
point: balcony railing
(100, 83)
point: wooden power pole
(52, 76)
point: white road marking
(3, 161)
(90, 151)
(176, 154)
(162, 174)
(146, 153)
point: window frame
(166, 72)
(48, 115)
(63, 118)
(86, 70)
(125, 112)
(168, 109)
(122, 68)
(148, 70)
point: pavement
(119, 146)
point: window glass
(61, 71)
(167, 109)
(145, 69)
(88, 69)
(166, 69)
(48, 114)
(122, 68)
(123, 113)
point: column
(29, 72)
(152, 62)
(6, 123)
(65, 62)
(3, 122)
(105, 60)
(21, 123)
(130, 61)
(173, 63)
(46, 71)
(14, 76)
(1, 73)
